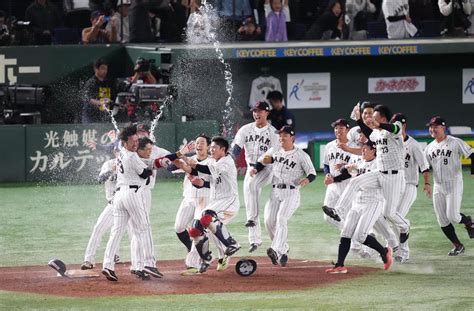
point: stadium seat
(66, 36)
(376, 30)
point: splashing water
(111, 113)
(201, 28)
(154, 123)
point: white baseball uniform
(129, 205)
(333, 156)
(444, 158)
(256, 141)
(415, 161)
(289, 167)
(353, 137)
(389, 177)
(156, 152)
(260, 88)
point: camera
(143, 65)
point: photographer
(142, 75)
(455, 15)
(5, 38)
(98, 95)
(96, 33)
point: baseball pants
(252, 190)
(333, 193)
(447, 202)
(407, 200)
(129, 206)
(361, 219)
(278, 210)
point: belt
(130, 187)
(283, 186)
(389, 172)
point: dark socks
(372, 242)
(466, 220)
(451, 234)
(344, 247)
(185, 239)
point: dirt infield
(297, 275)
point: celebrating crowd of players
(371, 174)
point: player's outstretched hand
(304, 182)
(427, 190)
(91, 144)
(355, 114)
(195, 180)
(328, 179)
(343, 146)
(253, 172)
(267, 159)
(189, 147)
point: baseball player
(364, 212)
(353, 136)
(333, 158)
(223, 205)
(292, 169)
(415, 161)
(390, 175)
(107, 176)
(443, 155)
(397, 18)
(195, 200)
(132, 174)
(256, 138)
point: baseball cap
(95, 14)
(369, 143)
(261, 106)
(286, 129)
(123, 2)
(399, 117)
(436, 121)
(342, 122)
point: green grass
(41, 222)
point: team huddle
(371, 174)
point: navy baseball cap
(95, 14)
(342, 122)
(261, 106)
(436, 121)
(286, 129)
(399, 117)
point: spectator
(358, 13)
(123, 29)
(279, 115)
(249, 31)
(140, 24)
(232, 13)
(276, 21)
(100, 5)
(95, 33)
(455, 14)
(329, 25)
(142, 75)
(44, 18)
(398, 20)
(98, 95)
(421, 10)
(77, 13)
(5, 37)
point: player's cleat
(142, 275)
(87, 265)
(458, 249)
(400, 259)
(331, 212)
(470, 227)
(223, 263)
(232, 249)
(387, 259)
(204, 266)
(250, 224)
(404, 237)
(116, 258)
(110, 274)
(190, 271)
(153, 272)
(337, 270)
(253, 247)
(283, 260)
(273, 256)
